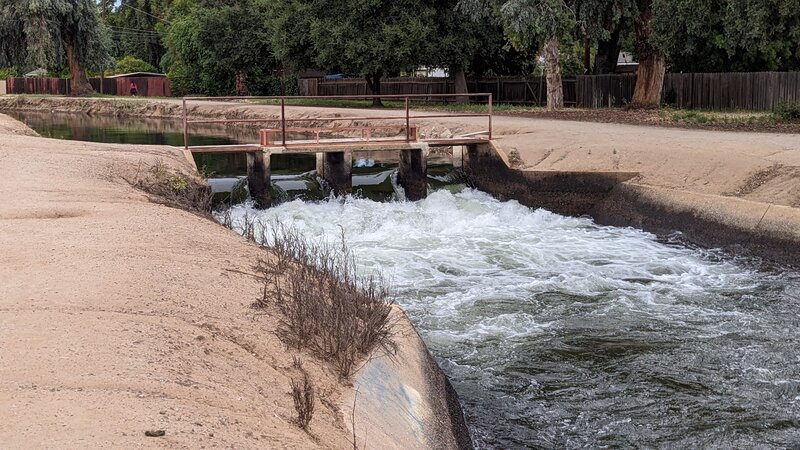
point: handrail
(407, 98)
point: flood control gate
(335, 137)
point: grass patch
(400, 104)
(703, 117)
(788, 112)
(168, 187)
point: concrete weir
(335, 166)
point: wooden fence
(748, 91)
(146, 86)
(604, 91)
(527, 90)
(757, 91)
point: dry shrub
(303, 396)
(172, 188)
(325, 306)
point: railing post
(490, 116)
(283, 120)
(185, 128)
(408, 123)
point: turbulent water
(557, 332)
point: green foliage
(135, 27)
(40, 33)
(371, 38)
(128, 64)
(788, 112)
(728, 35)
(211, 45)
(690, 117)
(7, 72)
(267, 84)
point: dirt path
(118, 315)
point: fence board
(746, 91)
(519, 90)
(146, 86)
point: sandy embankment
(119, 315)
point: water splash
(558, 332)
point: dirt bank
(120, 316)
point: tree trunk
(608, 53)
(587, 57)
(460, 86)
(241, 84)
(552, 67)
(374, 85)
(652, 66)
(79, 85)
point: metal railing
(283, 120)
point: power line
(135, 33)
(126, 5)
(134, 29)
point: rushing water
(557, 332)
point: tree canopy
(369, 38)
(728, 35)
(237, 46)
(217, 47)
(54, 33)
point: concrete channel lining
(615, 198)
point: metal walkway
(286, 137)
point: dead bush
(172, 188)
(325, 306)
(303, 396)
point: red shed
(148, 84)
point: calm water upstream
(557, 332)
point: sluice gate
(335, 139)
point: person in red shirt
(134, 91)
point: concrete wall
(569, 193)
(406, 401)
(614, 198)
(770, 231)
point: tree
(532, 23)
(603, 22)
(728, 35)
(130, 64)
(135, 24)
(215, 46)
(369, 38)
(652, 61)
(48, 33)
(454, 42)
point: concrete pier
(458, 156)
(412, 173)
(258, 178)
(337, 170)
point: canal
(557, 332)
